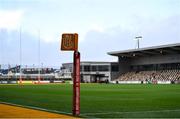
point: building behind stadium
(92, 71)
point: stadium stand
(162, 75)
(150, 65)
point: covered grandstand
(159, 64)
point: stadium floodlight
(138, 38)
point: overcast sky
(102, 25)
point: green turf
(100, 100)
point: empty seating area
(159, 75)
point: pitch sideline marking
(99, 113)
(37, 108)
(85, 114)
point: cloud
(154, 33)
(96, 27)
(10, 47)
(166, 31)
(95, 45)
(10, 19)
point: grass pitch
(99, 100)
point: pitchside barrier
(29, 82)
(141, 82)
(127, 82)
(41, 82)
(8, 82)
(26, 82)
(164, 82)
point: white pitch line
(38, 108)
(99, 113)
